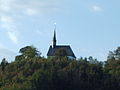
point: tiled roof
(52, 51)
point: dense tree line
(30, 71)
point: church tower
(54, 39)
(53, 49)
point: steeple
(54, 47)
(54, 38)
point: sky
(90, 27)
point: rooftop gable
(52, 50)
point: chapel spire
(54, 37)
(54, 48)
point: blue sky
(91, 27)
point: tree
(111, 55)
(4, 63)
(115, 55)
(92, 60)
(28, 52)
(61, 53)
(112, 70)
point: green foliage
(51, 74)
(31, 72)
(4, 63)
(61, 53)
(28, 52)
(115, 54)
(112, 70)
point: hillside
(30, 71)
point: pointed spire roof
(54, 37)
(54, 47)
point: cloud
(8, 24)
(13, 37)
(7, 21)
(29, 7)
(96, 8)
(31, 11)
(10, 10)
(2, 46)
